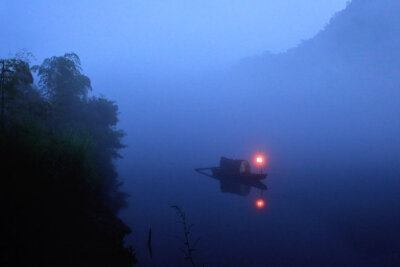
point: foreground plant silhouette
(189, 249)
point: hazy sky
(156, 34)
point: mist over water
(325, 115)
(197, 83)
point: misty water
(332, 197)
(319, 211)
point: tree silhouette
(59, 190)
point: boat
(235, 169)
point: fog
(160, 35)
(312, 84)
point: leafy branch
(189, 248)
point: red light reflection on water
(260, 203)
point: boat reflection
(233, 184)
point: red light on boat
(259, 160)
(260, 203)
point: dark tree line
(59, 192)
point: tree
(15, 74)
(64, 87)
(61, 78)
(59, 169)
(99, 121)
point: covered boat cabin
(234, 166)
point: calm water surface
(319, 211)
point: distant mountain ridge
(365, 32)
(340, 86)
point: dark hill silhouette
(340, 86)
(365, 32)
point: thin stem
(2, 94)
(186, 229)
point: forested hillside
(340, 86)
(59, 188)
(363, 33)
